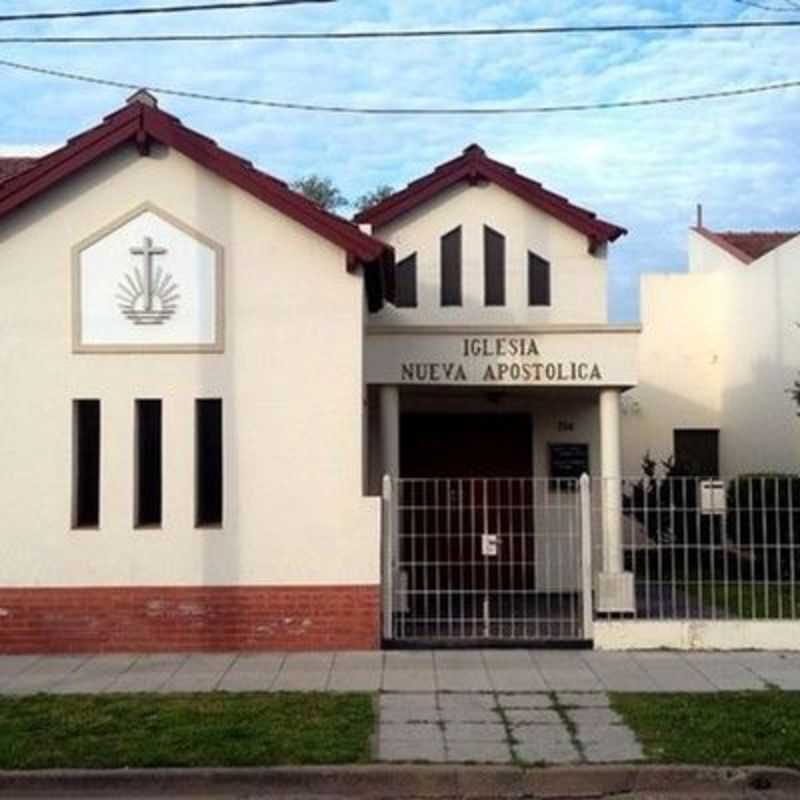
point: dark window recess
(494, 267)
(538, 281)
(405, 286)
(208, 449)
(148, 463)
(86, 468)
(697, 452)
(451, 268)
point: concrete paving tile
(409, 672)
(525, 700)
(474, 732)
(780, 669)
(671, 672)
(593, 717)
(200, 672)
(148, 673)
(421, 750)
(356, 672)
(513, 671)
(467, 714)
(412, 714)
(564, 670)
(357, 680)
(724, 672)
(479, 752)
(358, 660)
(461, 671)
(409, 731)
(304, 672)
(408, 660)
(583, 699)
(95, 675)
(252, 673)
(44, 674)
(484, 700)
(408, 700)
(550, 744)
(533, 716)
(615, 743)
(14, 665)
(619, 672)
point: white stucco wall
(290, 379)
(719, 348)
(577, 279)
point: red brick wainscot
(164, 619)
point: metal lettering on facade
(500, 359)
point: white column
(615, 588)
(390, 431)
(611, 474)
(393, 599)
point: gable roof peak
(144, 97)
(473, 166)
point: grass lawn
(186, 730)
(752, 601)
(761, 728)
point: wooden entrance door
(466, 516)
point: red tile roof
(141, 122)
(747, 246)
(472, 166)
(13, 166)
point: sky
(645, 169)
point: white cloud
(642, 168)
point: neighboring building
(720, 348)
(233, 420)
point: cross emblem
(148, 296)
(147, 251)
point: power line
(401, 34)
(408, 111)
(787, 9)
(124, 12)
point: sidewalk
(509, 671)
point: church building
(236, 421)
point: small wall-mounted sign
(568, 461)
(565, 426)
(713, 500)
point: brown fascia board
(136, 120)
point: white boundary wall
(697, 635)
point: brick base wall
(162, 619)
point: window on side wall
(696, 451)
(405, 277)
(494, 267)
(208, 463)
(538, 280)
(85, 463)
(451, 268)
(148, 464)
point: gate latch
(489, 542)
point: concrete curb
(381, 781)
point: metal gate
(486, 560)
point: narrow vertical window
(406, 282)
(208, 463)
(148, 463)
(494, 267)
(538, 281)
(86, 464)
(451, 268)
